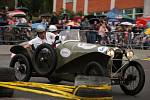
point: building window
(128, 11)
(139, 10)
(68, 1)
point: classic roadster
(69, 57)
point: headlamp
(129, 54)
(111, 53)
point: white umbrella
(126, 23)
(16, 12)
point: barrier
(61, 91)
(11, 34)
(19, 34)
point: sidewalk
(5, 49)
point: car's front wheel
(53, 79)
(134, 78)
(22, 67)
(94, 69)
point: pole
(16, 3)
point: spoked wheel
(44, 59)
(22, 68)
(134, 78)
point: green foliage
(70, 14)
(80, 13)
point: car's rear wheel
(44, 60)
(134, 78)
(22, 67)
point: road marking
(62, 91)
(146, 59)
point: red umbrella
(77, 18)
(142, 21)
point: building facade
(133, 8)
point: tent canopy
(116, 14)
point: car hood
(72, 50)
(83, 47)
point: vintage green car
(69, 57)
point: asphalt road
(117, 92)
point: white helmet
(52, 28)
(40, 28)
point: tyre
(44, 60)
(6, 75)
(94, 69)
(134, 78)
(54, 79)
(22, 67)
(95, 75)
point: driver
(42, 37)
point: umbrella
(19, 15)
(126, 23)
(90, 17)
(16, 12)
(92, 20)
(77, 18)
(36, 24)
(147, 31)
(113, 20)
(74, 24)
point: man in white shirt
(43, 36)
(39, 39)
(51, 34)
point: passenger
(51, 34)
(42, 36)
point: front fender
(133, 62)
(78, 64)
(17, 49)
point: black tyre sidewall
(54, 79)
(53, 62)
(28, 68)
(141, 79)
(7, 75)
(96, 66)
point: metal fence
(14, 35)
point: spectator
(102, 34)
(85, 24)
(54, 19)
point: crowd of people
(98, 30)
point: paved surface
(5, 49)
